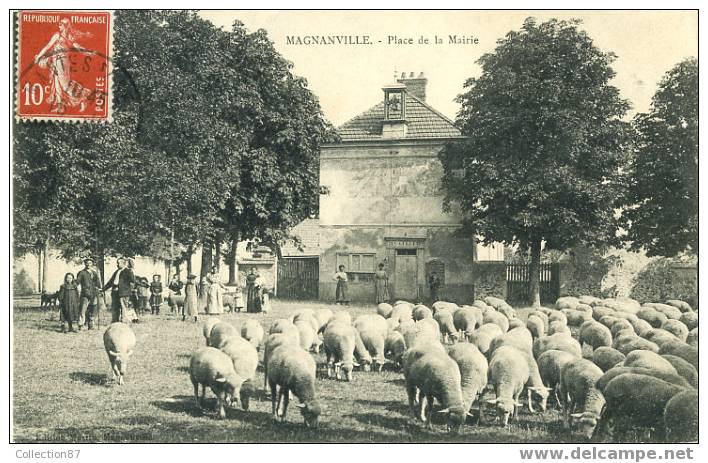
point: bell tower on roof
(394, 122)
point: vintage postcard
(356, 227)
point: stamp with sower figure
(63, 65)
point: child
(156, 295)
(238, 298)
(191, 302)
(143, 294)
(69, 303)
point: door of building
(298, 278)
(406, 274)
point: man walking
(121, 284)
(90, 281)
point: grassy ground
(63, 392)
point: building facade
(382, 203)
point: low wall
(489, 279)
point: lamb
(384, 309)
(394, 347)
(432, 377)
(497, 319)
(681, 349)
(446, 323)
(220, 333)
(211, 367)
(119, 342)
(176, 302)
(245, 361)
(207, 326)
(557, 326)
(683, 368)
(274, 341)
(339, 343)
(676, 328)
(607, 357)
(293, 370)
(681, 305)
(536, 326)
(652, 316)
(420, 312)
(690, 319)
(636, 401)
(549, 367)
(612, 373)
(558, 342)
(466, 320)
(646, 359)
(473, 371)
(692, 338)
(595, 334)
(579, 392)
(373, 331)
(626, 343)
(252, 331)
(508, 372)
(484, 335)
(681, 417)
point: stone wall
(489, 279)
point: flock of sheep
(612, 365)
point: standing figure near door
(342, 286)
(381, 282)
(434, 283)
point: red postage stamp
(63, 65)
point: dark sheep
(607, 357)
(681, 417)
(683, 368)
(683, 350)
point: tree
(544, 144)
(662, 196)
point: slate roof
(309, 233)
(424, 122)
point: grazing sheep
(432, 377)
(636, 401)
(451, 306)
(641, 327)
(544, 317)
(652, 316)
(391, 324)
(402, 312)
(620, 325)
(676, 328)
(508, 372)
(420, 312)
(621, 370)
(690, 319)
(576, 317)
(323, 316)
(681, 305)
(660, 336)
(211, 367)
(595, 334)
(483, 336)
(627, 342)
(558, 342)
(497, 319)
(412, 354)
(578, 391)
(466, 320)
(373, 331)
(681, 349)
(670, 311)
(394, 347)
(284, 326)
(549, 367)
(245, 361)
(508, 312)
(590, 300)
(342, 316)
(119, 342)
(494, 302)
(557, 326)
(630, 317)
(683, 368)
(516, 323)
(253, 332)
(361, 353)
(607, 357)
(609, 320)
(176, 302)
(384, 309)
(557, 315)
(646, 359)
(520, 338)
(308, 335)
(567, 302)
(207, 326)
(473, 371)
(274, 341)
(301, 314)
(692, 338)
(622, 304)
(601, 311)
(293, 370)
(447, 324)
(339, 344)
(681, 417)
(536, 326)
(220, 332)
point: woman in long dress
(191, 299)
(253, 297)
(381, 282)
(63, 91)
(215, 304)
(342, 286)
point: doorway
(406, 274)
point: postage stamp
(63, 65)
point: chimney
(414, 85)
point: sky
(347, 79)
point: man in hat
(121, 284)
(90, 281)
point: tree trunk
(217, 253)
(45, 265)
(232, 262)
(535, 274)
(207, 260)
(101, 263)
(190, 252)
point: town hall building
(381, 202)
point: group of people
(80, 297)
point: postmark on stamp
(63, 66)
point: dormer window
(395, 102)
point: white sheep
(595, 334)
(647, 359)
(274, 341)
(660, 336)
(483, 336)
(281, 325)
(473, 371)
(641, 327)
(628, 342)
(293, 370)
(245, 361)
(252, 331)
(544, 317)
(681, 417)
(119, 342)
(567, 302)
(681, 305)
(339, 344)
(536, 326)
(520, 338)
(676, 328)
(323, 316)
(496, 318)
(692, 338)
(652, 316)
(394, 347)
(420, 312)
(557, 326)
(413, 353)
(373, 331)
(508, 373)
(384, 309)
(207, 326)
(210, 367)
(446, 322)
(308, 335)
(220, 333)
(558, 341)
(402, 312)
(582, 401)
(683, 368)
(607, 357)
(466, 320)
(549, 367)
(690, 319)
(681, 349)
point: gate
(298, 278)
(518, 285)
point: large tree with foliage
(662, 201)
(545, 144)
